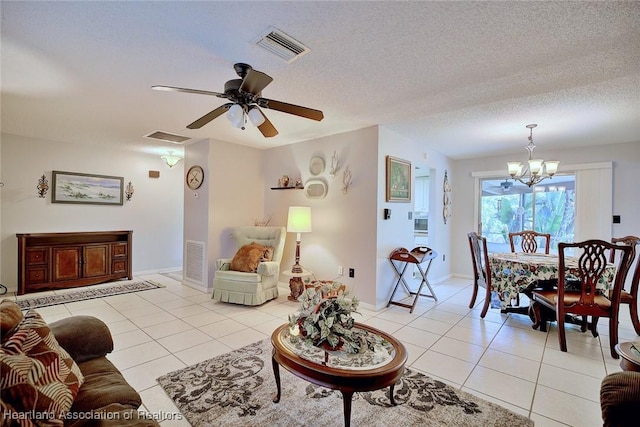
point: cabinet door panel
(95, 260)
(66, 263)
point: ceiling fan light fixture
(256, 116)
(235, 113)
(236, 116)
(238, 122)
(243, 96)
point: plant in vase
(327, 322)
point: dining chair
(481, 270)
(529, 241)
(630, 297)
(588, 301)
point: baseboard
(198, 286)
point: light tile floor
(499, 358)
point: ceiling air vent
(282, 45)
(167, 137)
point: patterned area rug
(85, 294)
(237, 389)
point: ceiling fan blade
(181, 89)
(210, 116)
(267, 128)
(255, 81)
(308, 113)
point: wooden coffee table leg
(347, 396)
(391, 398)
(276, 372)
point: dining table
(511, 272)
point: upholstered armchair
(250, 287)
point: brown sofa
(620, 399)
(104, 397)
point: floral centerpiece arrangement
(325, 320)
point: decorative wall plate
(315, 189)
(316, 165)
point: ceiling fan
(245, 96)
(500, 188)
(506, 185)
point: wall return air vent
(282, 45)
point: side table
(295, 283)
(629, 356)
(403, 258)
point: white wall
(626, 175)
(236, 195)
(231, 195)
(154, 214)
(344, 225)
(348, 229)
(196, 213)
(398, 231)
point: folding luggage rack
(400, 259)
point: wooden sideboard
(49, 261)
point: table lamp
(299, 221)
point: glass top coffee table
(371, 370)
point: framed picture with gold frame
(398, 180)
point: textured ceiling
(464, 78)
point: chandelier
(534, 172)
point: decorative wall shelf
(287, 188)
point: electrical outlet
(352, 272)
(340, 270)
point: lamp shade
(236, 115)
(515, 168)
(552, 167)
(299, 220)
(535, 166)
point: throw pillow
(37, 376)
(10, 318)
(249, 256)
(268, 253)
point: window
(507, 206)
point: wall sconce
(170, 159)
(43, 186)
(335, 165)
(346, 180)
(128, 191)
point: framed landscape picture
(398, 180)
(84, 188)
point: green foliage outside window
(546, 212)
